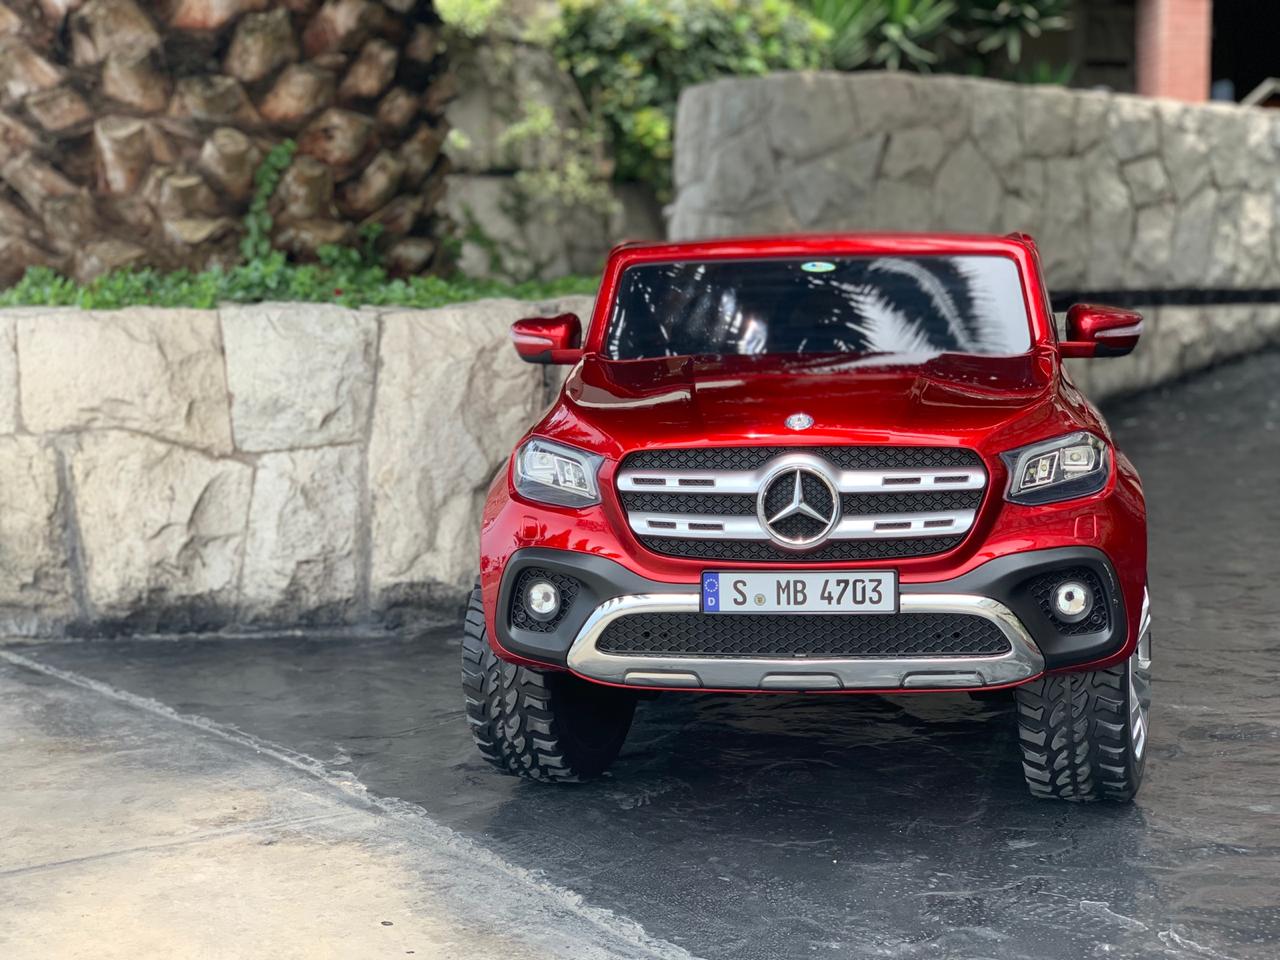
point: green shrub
(983, 37)
(885, 34)
(272, 278)
(631, 59)
(996, 29)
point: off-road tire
(1080, 735)
(541, 725)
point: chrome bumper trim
(887, 526)
(926, 480)
(1144, 632)
(1023, 661)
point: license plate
(861, 591)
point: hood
(618, 406)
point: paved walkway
(126, 833)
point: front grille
(704, 502)
(846, 458)
(1099, 618)
(520, 615)
(744, 504)
(821, 636)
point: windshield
(917, 305)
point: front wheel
(538, 724)
(1084, 735)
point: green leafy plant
(258, 222)
(631, 59)
(573, 166)
(469, 17)
(1043, 72)
(999, 28)
(339, 281)
(977, 36)
(889, 34)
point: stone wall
(271, 464)
(1121, 192)
(303, 464)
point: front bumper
(1002, 591)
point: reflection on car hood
(616, 406)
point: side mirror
(1096, 331)
(548, 339)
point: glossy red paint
(990, 405)
(1098, 331)
(548, 339)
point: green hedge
(349, 283)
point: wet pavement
(779, 826)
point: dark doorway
(1246, 43)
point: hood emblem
(798, 506)
(799, 421)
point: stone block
(1090, 119)
(741, 172)
(1226, 129)
(1184, 150)
(821, 188)
(1224, 248)
(1048, 121)
(1152, 248)
(1192, 240)
(299, 377)
(995, 126)
(734, 105)
(35, 577)
(452, 397)
(1148, 182)
(551, 241)
(154, 371)
(913, 154)
(1131, 128)
(1063, 236)
(1110, 219)
(883, 100)
(162, 529)
(1257, 211)
(8, 376)
(968, 192)
(810, 114)
(302, 553)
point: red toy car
(841, 463)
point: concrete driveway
(290, 796)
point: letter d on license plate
(855, 591)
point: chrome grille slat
(694, 482)
(865, 527)
(896, 501)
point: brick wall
(1174, 47)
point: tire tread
(1074, 737)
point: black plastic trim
(602, 579)
(1007, 579)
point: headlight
(1059, 469)
(551, 473)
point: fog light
(1072, 601)
(542, 600)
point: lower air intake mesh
(801, 636)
